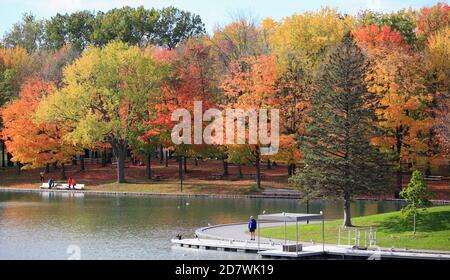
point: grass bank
(393, 230)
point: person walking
(51, 183)
(41, 175)
(252, 227)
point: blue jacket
(252, 224)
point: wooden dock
(317, 251)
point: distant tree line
(165, 27)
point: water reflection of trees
(119, 214)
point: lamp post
(323, 231)
(180, 161)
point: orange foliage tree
(31, 143)
(432, 19)
(397, 77)
(251, 83)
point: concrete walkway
(239, 232)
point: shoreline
(187, 195)
(233, 232)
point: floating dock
(344, 252)
(273, 250)
(226, 245)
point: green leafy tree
(75, 28)
(106, 92)
(175, 25)
(27, 33)
(131, 25)
(339, 159)
(417, 195)
(307, 192)
(55, 32)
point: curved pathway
(239, 232)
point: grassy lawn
(173, 186)
(393, 230)
(196, 181)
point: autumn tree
(438, 83)
(300, 42)
(32, 143)
(14, 68)
(288, 153)
(306, 38)
(432, 19)
(397, 78)
(403, 21)
(251, 84)
(339, 159)
(48, 65)
(105, 91)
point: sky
(212, 12)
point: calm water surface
(44, 225)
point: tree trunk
(307, 209)
(120, 150)
(161, 154)
(291, 169)
(239, 168)
(74, 161)
(258, 170)
(399, 183)
(82, 167)
(398, 149)
(347, 217)
(269, 166)
(225, 167)
(3, 154)
(167, 158)
(8, 160)
(149, 166)
(104, 158)
(196, 161)
(63, 172)
(19, 168)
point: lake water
(49, 225)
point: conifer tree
(340, 161)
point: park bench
(253, 176)
(215, 177)
(157, 177)
(434, 178)
(62, 186)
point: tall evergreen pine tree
(340, 161)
